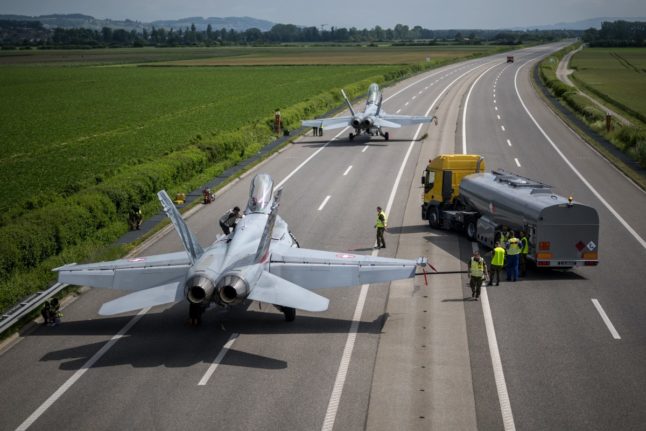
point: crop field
(61, 127)
(619, 74)
(333, 55)
(240, 55)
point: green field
(60, 127)
(617, 75)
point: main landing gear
(289, 312)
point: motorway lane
(563, 368)
(151, 375)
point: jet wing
(322, 269)
(328, 123)
(159, 295)
(404, 120)
(277, 291)
(128, 274)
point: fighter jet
(259, 261)
(370, 121)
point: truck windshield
(430, 179)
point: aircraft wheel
(386, 136)
(290, 314)
(434, 218)
(472, 230)
(351, 136)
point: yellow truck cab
(442, 179)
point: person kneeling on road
(477, 272)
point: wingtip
(67, 265)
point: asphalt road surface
(533, 355)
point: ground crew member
(229, 220)
(381, 224)
(503, 235)
(135, 217)
(46, 312)
(477, 272)
(497, 263)
(513, 252)
(524, 250)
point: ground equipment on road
(510, 59)
(459, 195)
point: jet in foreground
(259, 261)
(370, 121)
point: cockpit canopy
(373, 94)
(260, 194)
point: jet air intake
(232, 289)
(199, 289)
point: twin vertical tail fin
(191, 245)
(263, 247)
(348, 102)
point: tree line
(617, 33)
(33, 34)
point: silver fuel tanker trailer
(459, 195)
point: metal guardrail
(29, 304)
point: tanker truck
(459, 195)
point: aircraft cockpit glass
(260, 194)
(373, 94)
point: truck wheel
(472, 230)
(434, 218)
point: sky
(432, 14)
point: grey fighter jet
(259, 261)
(371, 120)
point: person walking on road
(229, 219)
(381, 224)
(497, 263)
(477, 272)
(524, 249)
(513, 252)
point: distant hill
(85, 21)
(580, 25)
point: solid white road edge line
(575, 170)
(606, 320)
(218, 360)
(499, 375)
(496, 362)
(77, 375)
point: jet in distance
(259, 261)
(370, 121)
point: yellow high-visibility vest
(524, 249)
(498, 258)
(477, 267)
(513, 248)
(380, 223)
